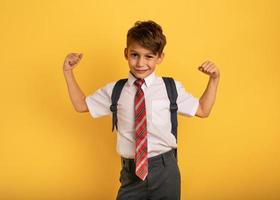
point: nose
(140, 62)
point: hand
(210, 69)
(71, 61)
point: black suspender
(172, 95)
(115, 98)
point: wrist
(68, 74)
(214, 79)
(67, 71)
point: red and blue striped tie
(141, 155)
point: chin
(141, 75)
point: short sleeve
(100, 101)
(187, 104)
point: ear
(160, 58)
(126, 53)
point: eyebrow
(150, 53)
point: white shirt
(160, 138)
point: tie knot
(139, 82)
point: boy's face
(142, 62)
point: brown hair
(148, 34)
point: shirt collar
(148, 80)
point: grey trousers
(163, 181)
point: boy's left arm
(207, 100)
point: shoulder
(109, 87)
(106, 89)
(178, 84)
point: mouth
(141, 71)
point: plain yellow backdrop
(50, 152)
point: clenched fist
(210, 69)
(71, 61)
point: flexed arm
(207, 99)
(76, 94)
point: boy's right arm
(77, 96)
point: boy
(145, 142)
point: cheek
(152, 63)
(131, 61)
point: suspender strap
(172, 95)
(115, 98)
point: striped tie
(141, 160)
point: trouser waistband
(130, 163)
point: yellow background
(50, 152)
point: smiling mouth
(141, 70)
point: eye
(134, 55)
(149, 56)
